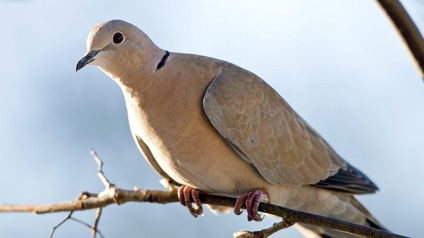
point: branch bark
(121, 196)
(407, 29)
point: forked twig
(60, 223)
(70, 217)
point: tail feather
(312, 231)
(372, 222)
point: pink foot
(187, 195)
(252, 201)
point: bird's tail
(311, 231)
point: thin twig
(70, 217)
(263, 233)
(85, 224)
(60, 223)
(94, 228)
(407, 30)
(96, 222)
(100, 173)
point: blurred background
(339, 63)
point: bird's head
(114, 44)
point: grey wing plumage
(263, 129)
(349, 180)
(249, 114)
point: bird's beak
(88, 58)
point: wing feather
(262, 128)
(147, 154)
(267, 133)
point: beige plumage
(215, 127)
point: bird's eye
(118, 38)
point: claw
(240, 201)
(252, 201)
(187, 195)
(195, 195)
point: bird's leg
(252, 201)
(187, 195)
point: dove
(213, 127)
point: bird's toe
(252, 201)
(187, 195)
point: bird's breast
(189, 149)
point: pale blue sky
(339, 63)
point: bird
(210, 126)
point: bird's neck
(145, 61)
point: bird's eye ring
(118, 38)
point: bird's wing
(347, 179)
(144, 149)
(265, 131)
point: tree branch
(121, 196)
(407, 29)
(115, 195)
